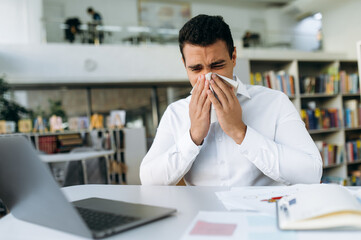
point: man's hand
(228, 109)
(199, 111)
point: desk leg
(85, 174)
(107, 168)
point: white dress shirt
(276, 150)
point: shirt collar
(242, 89)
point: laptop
(31, 194)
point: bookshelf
(329, 92)
(129, 146)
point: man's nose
(206, 70)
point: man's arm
(290, 158)
(170, 157)
(168, 160)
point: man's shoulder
(257, 91)
(179, 106)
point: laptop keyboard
(100, 221)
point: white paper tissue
(231, 82)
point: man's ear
(234, 56)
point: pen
(273, 199)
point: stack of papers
(254, 217)
(262, 199)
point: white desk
(187, 200)
(79, 156)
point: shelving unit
(129, 147)
(314, 67)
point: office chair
(96, 170)
(3, 210)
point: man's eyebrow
(218, 62)
(195, 66)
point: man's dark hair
(90, 10)
(204, 30)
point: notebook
(31, 194)
(327, 206)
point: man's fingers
(197, 89)
(227, 91)
(220, 94)
(207, 104)
(203, 96)
(217, 105)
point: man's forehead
(196, 54)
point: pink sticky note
(213, 229)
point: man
(259, 138)
(96, 35)
(97, 19)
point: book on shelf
(353, 150)
(326, 206)
(352, 113)
(69, 141)
(48, 144)
(7, 127)
(25, 125)
(280, 81)
(320, 118)
(324, 83)
(78, 123)
(331, 154)
(349, 82)
(68, 136)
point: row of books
(349, 82)
(324, 83)
(321, 118)
(353, 150)
(331, 153)
(352, 111)
(280, 81)
(59, 143)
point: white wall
(306, 31)
(238, 18)
(20, 21)
(54, 63)
(279, 27)
(341, 27)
